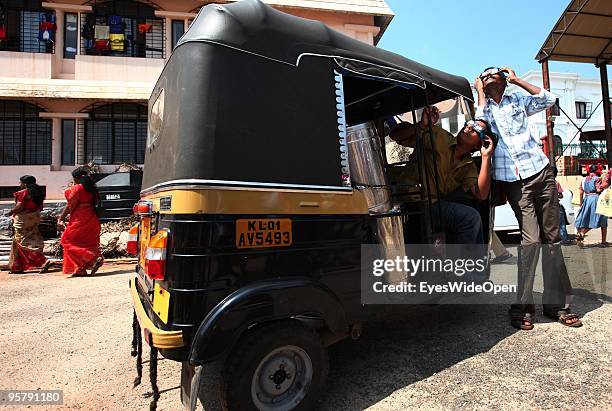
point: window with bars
(25, 139)
(115, 133)
(583, 109)
(123, 28)
(26, 26)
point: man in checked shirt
(523, 173)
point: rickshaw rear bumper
(153, 335)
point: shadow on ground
(406, 348)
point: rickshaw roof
(257, 29)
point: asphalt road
(74, 334)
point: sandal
(604, 244)
(97, 265)
(79, 274)
(521, 321)
(580, 240)
(45, 267)
(564, 316)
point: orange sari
(81, 239)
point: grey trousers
(536, 206)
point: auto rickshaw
(266, 169)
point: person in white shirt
(522, 171)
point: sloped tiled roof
(378, 8)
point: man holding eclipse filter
(522, 172)
(456, 171)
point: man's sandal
(564, 317)
(521, 321)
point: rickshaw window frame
(151, 141)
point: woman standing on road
(587, 218)
(27, 247)
(81, 239)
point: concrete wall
(55, 181)
(104, 68)
(25, 65)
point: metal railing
(588, 146)
(135, 36)
(22, 31)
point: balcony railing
(594, 149)
(115, 35)
(31, 30)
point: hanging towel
(101, 32)
(46, 27)
(115, 24)
(144, 28)
(102, 45)
(117, 42)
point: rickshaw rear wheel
(277, 366)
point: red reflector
(155, 269)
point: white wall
(569, 88)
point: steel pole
(549, 125)
(605, 93)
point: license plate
(113, 197)
(265, 232)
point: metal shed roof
(583, 34)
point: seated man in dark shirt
(457, 173)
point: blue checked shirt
(517, 155)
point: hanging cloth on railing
(144, 28)
(47, 27)
(101, 32)
(115, 24)
(2, 25)
(117, 42)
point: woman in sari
(27, 247)
(81, 238)
(587, 218)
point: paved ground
(74, 334)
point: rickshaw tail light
(155, 256)
(143, 208)
(132, 243)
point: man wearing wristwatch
(522, 171)
(457, 173)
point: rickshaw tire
(243, 360)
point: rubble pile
(114, 236)
(113, 240)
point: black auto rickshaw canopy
(253, 96)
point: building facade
(579, 104)
(75, 76)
